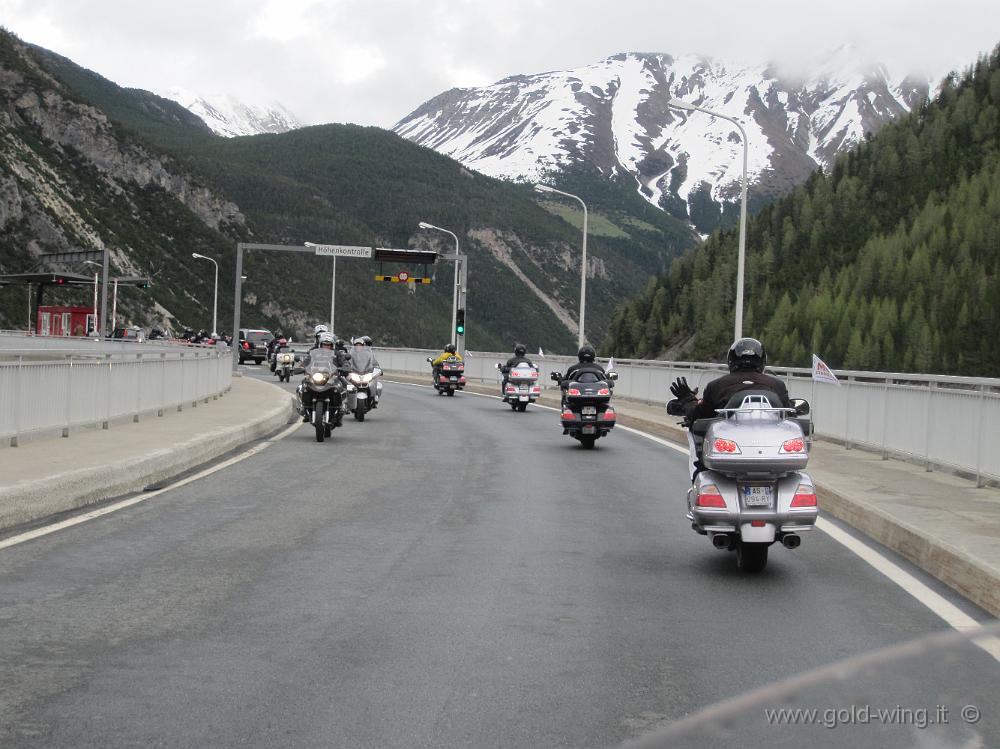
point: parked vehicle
(320, 397)
(253, 344)
(448, 376)
(587, 414)
(129, 333)
(751, 490)
(521, 386)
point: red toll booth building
(55, 320)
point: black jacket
(718, 392)
(514, 361)
(584, 366)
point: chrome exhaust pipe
(721, 541)
(791, 541)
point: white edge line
(108, 509)
(953, 616)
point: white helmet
(320, 329)
(326, 337)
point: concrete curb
(31, 501)
(974, 579)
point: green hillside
(889, 262)
(346, 184)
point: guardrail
(37, 397)
(18, 341)
(936, 420)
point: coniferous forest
(889, 262)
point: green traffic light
(460, 330)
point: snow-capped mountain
(229, 116)
(614, 116)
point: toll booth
(66, 321)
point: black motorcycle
(586, 413)
(320, 397)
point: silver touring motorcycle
(752, 490)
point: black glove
(682, 391)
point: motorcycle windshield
(320, 359)
(362, 360)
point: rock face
(70, 179)
(614, 117)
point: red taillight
(461, 379)
(573, 391)
(567, 415)
(609, 415)
(796, 445)
(725, 446)
(246, 345)
(604, 391)
(511, 389)
(536, 389)
(757, 523)
(805, 496)
(708, 496)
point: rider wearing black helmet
(519, 357)
(747, 360)
(586, 363)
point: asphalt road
(446, 574)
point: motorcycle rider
(317, 332)
(449, 351)
(363, 361)
(341, 361)
(746, 359)
(586, 363)
(518, 358)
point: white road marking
(953, 616)
(107, 510)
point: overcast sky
(374, 61)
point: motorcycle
(587, 414)
(522, 386)
(364, 383)
(752, 490)
(284, 363)
(448, 376)
(325, 390)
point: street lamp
(678, 104)
(583, 268)
(95, 331)
(215, 303)
(454, 294)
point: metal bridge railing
(41, 396)
(937, 420)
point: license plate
(454, 379)
(589, 430)
(757, 496)
(523, 398)
(524, 388)
(589, 410)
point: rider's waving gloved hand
(684, 396)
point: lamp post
(454, 294)
(95, 330)
(215, 303)
(677, 103)
(583, 266)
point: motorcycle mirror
(612, 375)
(429, 360)
(801, 406)
(499, 365)
(556, 376)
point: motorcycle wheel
(359, 413)
(451, 392)
(587, 441)
(513, 406)
(318, 413)
(751, 557)
(522, 407)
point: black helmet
(520, 350)
(450, 348)
(341, 344)
(747, 354)
(586, 353)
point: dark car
(253, 344)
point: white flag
(540, 353)
(822, 373)
(611, 364)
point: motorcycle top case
(750, 443)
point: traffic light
(460, 322)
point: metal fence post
(163, 385)
(138, 387)
(847, 414)
(931, 387)
(17, 401)
(69, 397)
(180, 401)
(979, 437)
(107, 394)
(885, 418)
